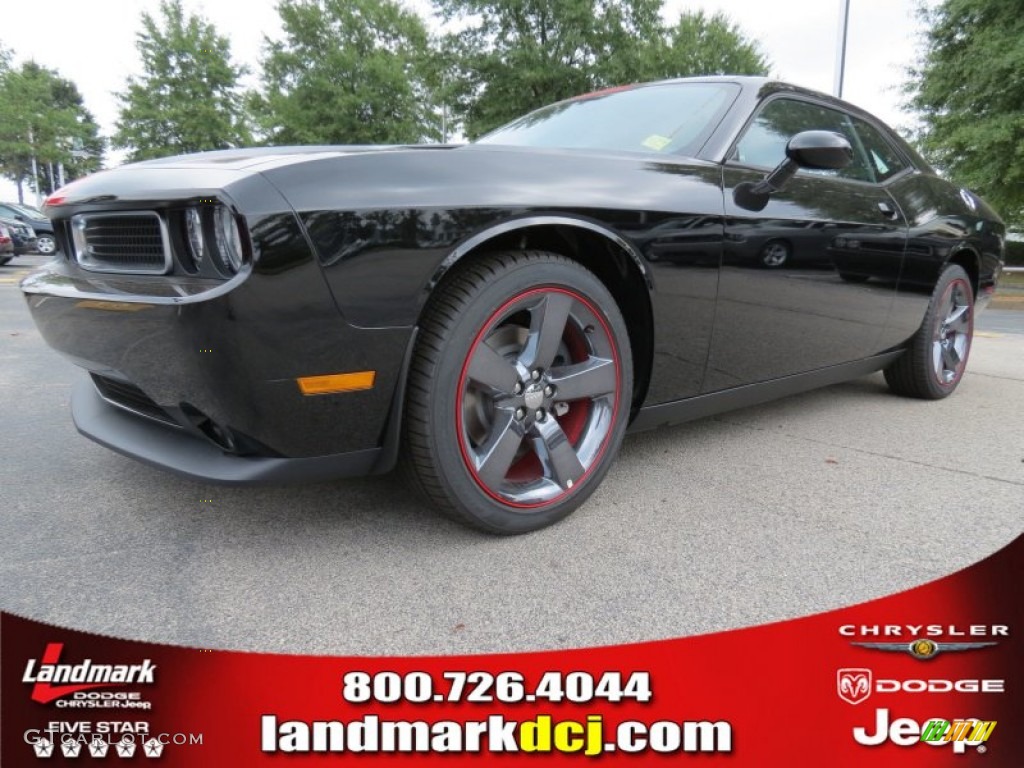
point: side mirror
(818, 150)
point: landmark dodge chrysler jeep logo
(79, 677)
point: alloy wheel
(774, 254)
(46, 245)
(538, 397)
(951, 342)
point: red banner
(928, 677)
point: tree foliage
(969, 91)
(708, 45)
(346, 72)
(42, 115)
(518, 55)
(188, 97)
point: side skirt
(701, 406)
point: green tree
(703, 45)
(346, 72)
(969, 91)
(517, 55)
(188, 99)
(42, 115)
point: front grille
(132, 242)
(130, 398)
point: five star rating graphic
(45, 748)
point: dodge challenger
(494, 317)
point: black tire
(486, 441)
(5, 260)
(775, 254)
(935, 360)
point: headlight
(229, 243)
(194, 228)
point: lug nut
(549, 391)
(541, 415)
(520, 414)
(535, 375)
(517, 389)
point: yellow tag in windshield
(656, 142)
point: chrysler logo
(853, 685)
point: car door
(808, 281)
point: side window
(764, 142)
(882, 158)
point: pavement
(810, 503)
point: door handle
(888, 210)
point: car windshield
(672, 118)
(27, 210)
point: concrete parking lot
(802, 505)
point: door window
(883, 159)
(763, 144)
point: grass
(1011, 280)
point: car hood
(352, 177)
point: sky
(93, 44)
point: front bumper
(185, 455)
(222, 358)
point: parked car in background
(23, 236)
(501, 312)
(46, 244)
(6, 245)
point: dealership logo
(853, 685)
(935, 732)
(924, 641)
(923, 648)
(84, 676)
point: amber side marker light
(337, 382)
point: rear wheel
(519, 391)
(935, 361)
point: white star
(98, 747)
(43, 748)
(154, 748)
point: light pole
(844, 17)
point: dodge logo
(853, 685)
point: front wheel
(46, 245)
(519, 391)
(775, 253)
(934, 363)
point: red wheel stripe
(467, 459)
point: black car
(22, 235)
(498, 314)
(45, 243)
